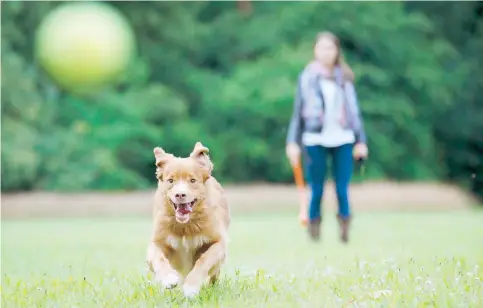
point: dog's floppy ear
(161, 159)
(200, 155)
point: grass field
(393, 260)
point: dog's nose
(180, 195)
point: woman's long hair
(347, 72)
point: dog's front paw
(169, 281)
(190, 291)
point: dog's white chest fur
(185, 248)
(186, 242)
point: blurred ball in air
(84, 45)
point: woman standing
(326, 122)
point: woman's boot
(344, 223)
(314, 229)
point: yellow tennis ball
(84, 45)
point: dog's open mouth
(183, 210)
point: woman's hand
(360, 151)
(293, 153)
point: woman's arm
(351, 97)
(294, 132)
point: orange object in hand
(300, 183)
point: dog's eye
(192, 180)
(170, 180)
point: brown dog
(191, 219)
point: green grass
(422, 260)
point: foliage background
(214, 72)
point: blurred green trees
(208, 71)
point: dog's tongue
(184, 210)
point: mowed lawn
(392, 260)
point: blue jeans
(316, 165)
